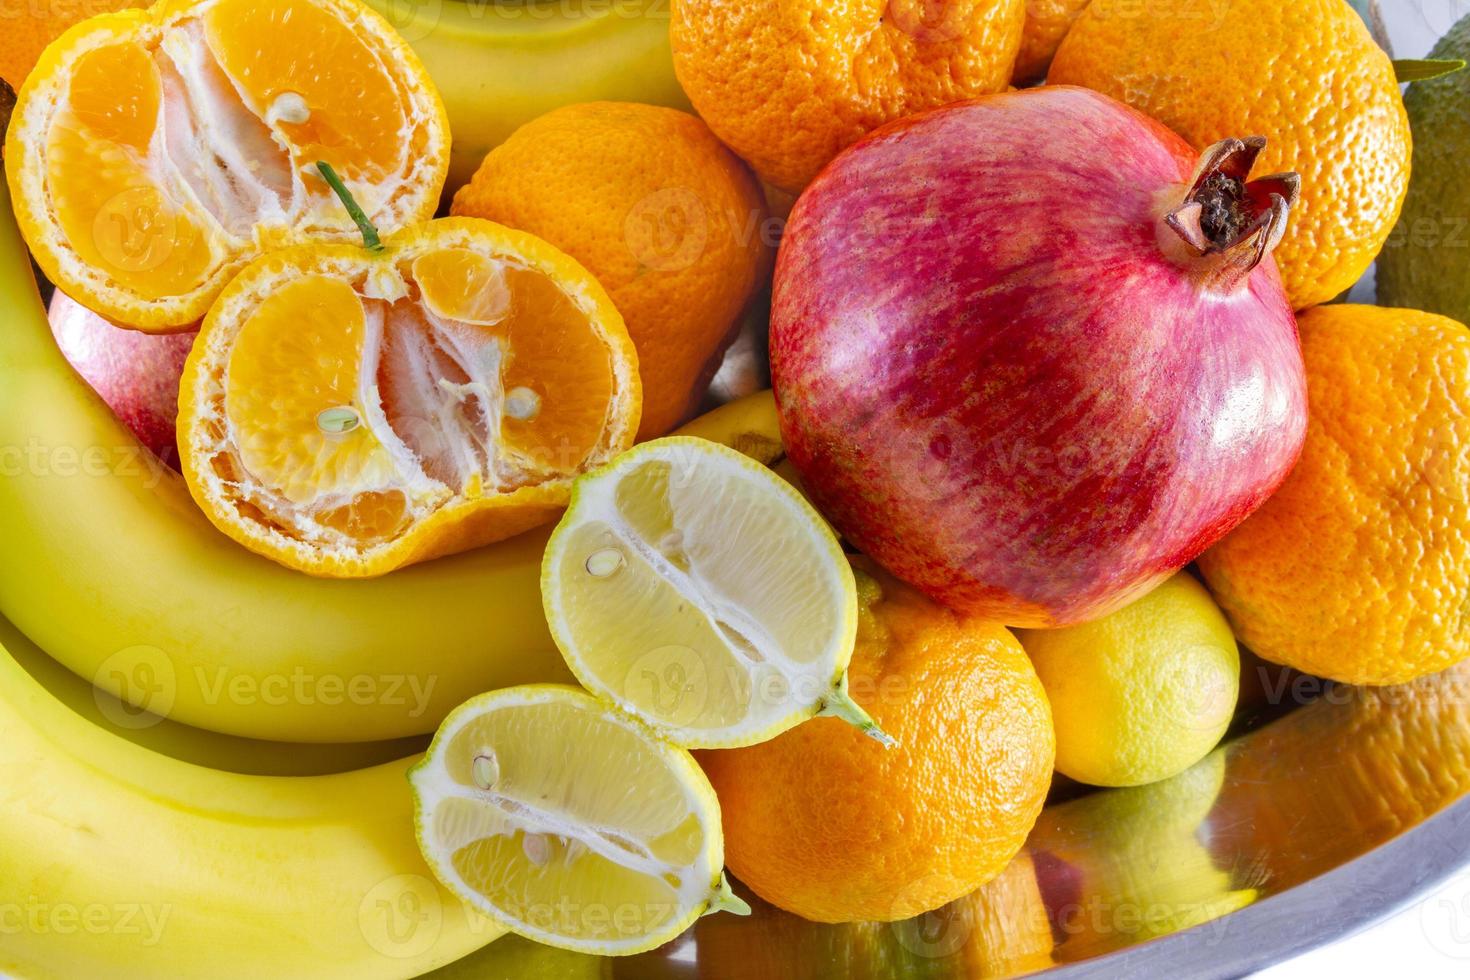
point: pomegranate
(135, 373)
(1032, 354)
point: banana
(195, 745)
(499, 64)
(119, 862)
(107, 564)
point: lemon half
(569, 823)
(691, 586)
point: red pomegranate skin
(993, 379)
(135, 373)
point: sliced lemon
(569, 823)
(695, 589)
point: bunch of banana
(501, 63)
(111, 568)
(119, 862)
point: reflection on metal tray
(1287, 836)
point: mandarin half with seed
(349, 410)
(154, 153)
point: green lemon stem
(370, 239)
(839, 704)
(725, 900)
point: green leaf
(1416, 70)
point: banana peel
(195, 745)
(118, 862)
(498, 65)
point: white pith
(433, 785)
(746, 638)
(206, 156)
(463, 414)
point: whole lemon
(825, 822)
(1143, 693)
(1305, 74)
(671, 223)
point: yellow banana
(107, 564)
(209, 749)
(500, 64)
(118, 862)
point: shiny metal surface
(1293, 833)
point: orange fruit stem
(370, 239)
(840, 704)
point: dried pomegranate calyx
(1228, 223)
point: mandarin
(788, 84)
(1047, 23)
(669, 221)
(827, 823)
(1306, 75)
(1358, 569)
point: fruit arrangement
(371, 400)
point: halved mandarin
(154, 153)
(346, 410)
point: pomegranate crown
(1227, 220)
